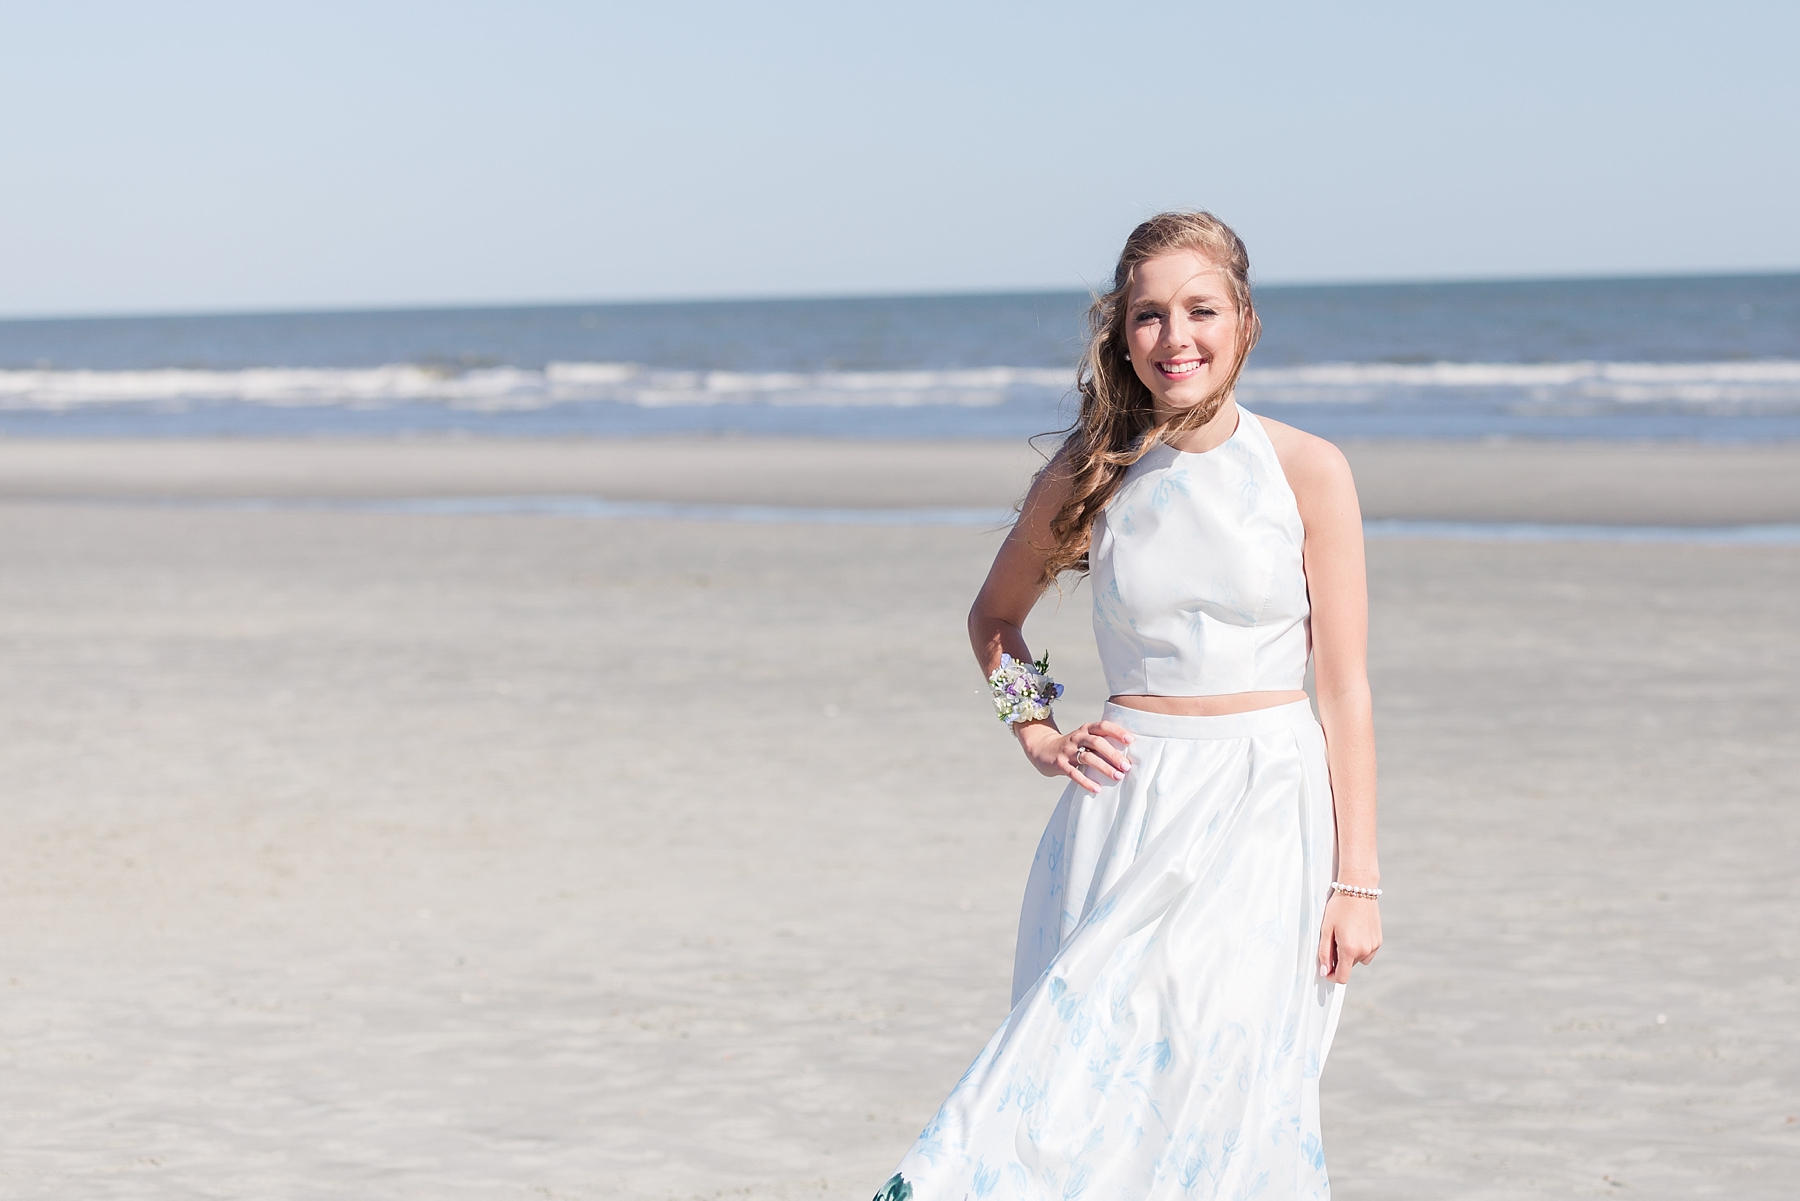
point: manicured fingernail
(1127, 765)
(1324, 970)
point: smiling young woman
(1209, 876)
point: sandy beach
(431, 856)
(1496, 480)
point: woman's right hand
(1099, 745)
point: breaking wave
(1704, 387)
(1769, 381)
(500, 389)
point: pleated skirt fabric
(1169, 1024)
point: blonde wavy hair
(1117, 423)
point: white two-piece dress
(1169, 1023)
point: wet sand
(492, 856)
(1619, 483)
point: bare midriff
(1209, 706)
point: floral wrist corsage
(1023, 691)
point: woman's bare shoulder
(1315, 468)
(1054, 481)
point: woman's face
(1181, 324)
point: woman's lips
(1181, 369)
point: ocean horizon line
(549, 305)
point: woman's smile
(1180, 368)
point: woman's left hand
(1351, 935)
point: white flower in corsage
(1023, 691)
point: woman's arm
(1337, 584)
(996, 626)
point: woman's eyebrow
(1190, 298)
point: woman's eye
(1204, 313)
(1146, 318)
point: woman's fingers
(1349, 956)
(1096, 755)
(1080, 777)
(1096, 747)
(1075, 761)
(1112, 730)
(1103, 748)
(1117, 761)
(1349, 935)
(1341, 960)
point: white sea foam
(514, 388)
(1765, 381)
(1703, 386)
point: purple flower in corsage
(1023, 691)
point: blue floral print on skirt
(1169, 1024)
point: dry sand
(421, 856)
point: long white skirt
(1168, 1022)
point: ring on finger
(1079, 753)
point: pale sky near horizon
(188, 156)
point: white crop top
(1195, 565)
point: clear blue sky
(201, 156)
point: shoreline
(1649, 484)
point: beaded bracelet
(1371, 894)
(1023, 691)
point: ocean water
(1715, 358)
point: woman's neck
(1215, 433)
